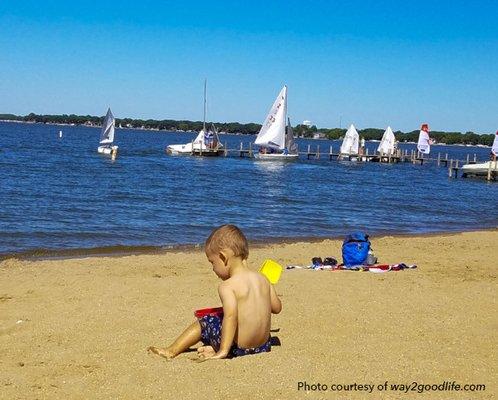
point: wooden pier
(400, 156)
(316, 154)
(453, 169)
(243, 152)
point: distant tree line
(251, 128)
(166, 124)
(376, 134)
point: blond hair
(228, 237)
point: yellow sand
(79, 328)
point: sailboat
(350, 143)
(107, 135)
(276, 138)
(387, 143)
(207, 142)
(490, 167)
(424, 141)
(60, 134)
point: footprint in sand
(5, 297)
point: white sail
(290, 145)
(107, 134)
(350, 144)
(494, 148)
(200, 137)
(386, 145)
(272, 133)
(424, 141)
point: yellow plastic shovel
(272, 270)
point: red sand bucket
(216, 311)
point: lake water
(59, 194)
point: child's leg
(189, 337)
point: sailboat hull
(480, 169)
(179, 149)
(108, 150)
(276, 157)
(348, 157)
(196, 150)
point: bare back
(253, 295)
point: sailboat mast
(204, 123)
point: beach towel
(380, 268)
(377, 268)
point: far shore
(90, 126)
(221, 133)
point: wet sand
(79, 328)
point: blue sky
(371, 63)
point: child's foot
(167, 354)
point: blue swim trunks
(211, 336)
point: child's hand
(209, 354)
(205, 352)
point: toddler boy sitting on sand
(248, 301)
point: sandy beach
(79, 328)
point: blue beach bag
(355, 249)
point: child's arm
(229, 325)
(276, 304)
